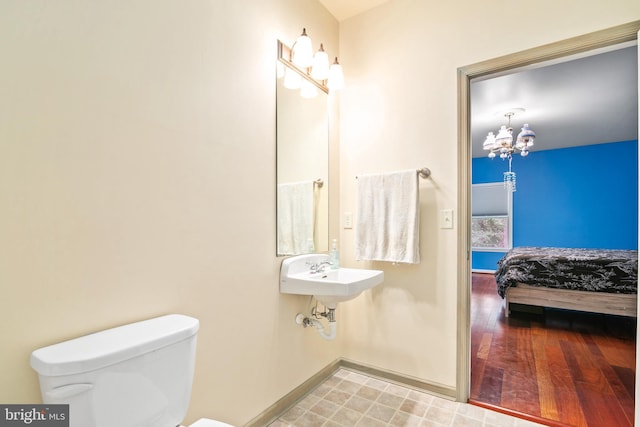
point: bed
(593, 280)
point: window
(490, 232)
(491, 221)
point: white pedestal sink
(301, 275)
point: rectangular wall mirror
(302, 157)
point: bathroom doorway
(559, 51)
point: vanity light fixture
(503, 143)
(307, 71)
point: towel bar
(424, 173)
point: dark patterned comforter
(596, 270)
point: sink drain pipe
(332, 330)
(308, 321)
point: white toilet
(136, 375)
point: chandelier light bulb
(489, 142)
(526, 136)
(504, 137)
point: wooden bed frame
(593, 302)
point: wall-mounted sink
(311, 274)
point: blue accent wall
(579, 197)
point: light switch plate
(348, 220)
(446, 218)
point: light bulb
(525, 137)
(504, 137)
(302, 51)
(292, 80)
(489, 142)
(320, 68)
(336, 78)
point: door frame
(581, 45)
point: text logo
(34, 415)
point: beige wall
(137, 178)
(137, 170)
(399, 112)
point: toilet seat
(206, 422)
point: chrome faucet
(319, 267)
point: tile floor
(349, 399)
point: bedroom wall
(579, 197)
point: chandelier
(502, 143)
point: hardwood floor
(559, 367)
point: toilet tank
(136, 375)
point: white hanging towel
(388, 217)
(295, 217)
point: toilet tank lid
(111, 346)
